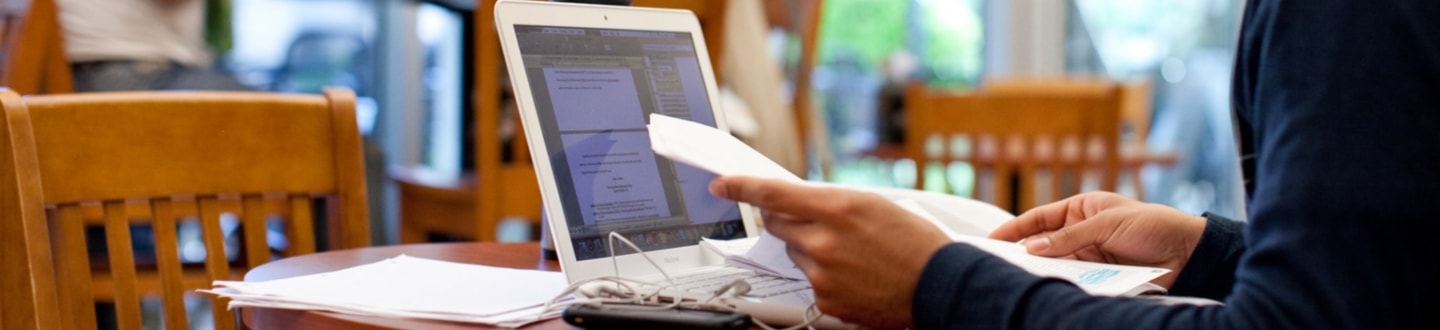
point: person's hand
(862, 253)
(1109, 228)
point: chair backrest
(1048, 144)
(32, 50)
(116, 159)
(1135, 100)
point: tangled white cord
(641, 294)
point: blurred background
(408, 62)
(823, 87)
(830, 89)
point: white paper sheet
(406, 286)
(754, 253)
(727, 248)
(710, 149)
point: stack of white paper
(409, 287)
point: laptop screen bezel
(508, 14)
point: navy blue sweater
(1337, 107)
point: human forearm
(965, 288)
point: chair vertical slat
(337, 233)
(1000, 186)
(300, 226)
(916, 151)
(1072, 164)
(92, 213)
(1028, 188)
(215, 262)
(1042, 155)
(1057, 174)
(947, 159)
(122, 265)
(275, 203)
(167, 254)
(183, 206)
(73, 260)
(1023, 154)
(252, 217)
(987, 147)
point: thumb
(1072, 238)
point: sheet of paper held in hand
(964, 220)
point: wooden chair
(1047, 144)
(160, 158)
(32, 50)
(1135, 112)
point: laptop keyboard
(761, 285)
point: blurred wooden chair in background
(1048, 144)
(32, 51)
(117, 160)
(1136, 109)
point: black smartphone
(621, 316)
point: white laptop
(586, 78)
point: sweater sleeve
(1210, 272)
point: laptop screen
(593, 90)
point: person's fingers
(802, 200)
(784, 226)
(1044, 218)
(769, 215)
(759, 192)
(1038, 236)
(1056, 215)
(1073, 238)
(801, 260)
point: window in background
(442, 37)
(1185, 48)
(281, 46)
(868, 51)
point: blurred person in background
(146, 44)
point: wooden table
(512, 255)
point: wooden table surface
(512, 255)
